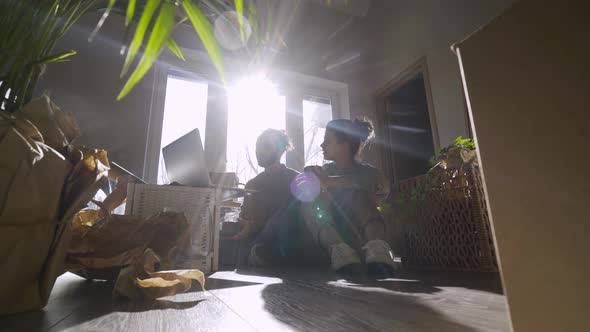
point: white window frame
(294, 85)
(156, 116)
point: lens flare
(305, 187)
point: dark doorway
(407, 126)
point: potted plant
(44, 178)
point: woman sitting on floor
(344, 218)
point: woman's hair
(356, 132)
(279, 139)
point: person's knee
(362, 204)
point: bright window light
(317, 112)
(254, 105)
(185, 109)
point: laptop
(185, 164)
(185, 161)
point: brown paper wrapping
(40, 191)
(121, 240)
(130, 249)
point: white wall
(402, 32)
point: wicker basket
(447, 227)
(197, 204)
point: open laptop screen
(185, 161)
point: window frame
(294, 85)
(156, 116)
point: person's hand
(246, 227)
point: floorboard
(292, 299)
(320, 300)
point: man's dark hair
(278, 137)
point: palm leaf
(240, 10)
(158, 37)
(60, 57)
(173, 47)
(130, 12)
(146, 17)
(102, 19)
(205, 31)
(252, 18)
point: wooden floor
(281, 300)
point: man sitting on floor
(269, 215)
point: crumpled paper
(130, 249)
(44, 181)
(118, 240)
(140, 281)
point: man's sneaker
(343, 257)
(255, 259)
(378, 257)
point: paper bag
(40, 191)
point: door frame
(381, 95)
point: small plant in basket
(454, 156)
(407, 200)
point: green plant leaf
(59, 57)
(144, 21)
(130, 11)
(253, 19)
(160, 33)
(240, 10)
(173, 47)
(102, 19)
(268, 20)
(205, 31)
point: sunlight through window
(254, 105)
(317, 112)
(185, 109)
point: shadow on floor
(402, 281)
(331, 307)
(310, 298)
(317, 299)
(214, 283)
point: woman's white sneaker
(378, 257)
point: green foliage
(30, 29)
(240, 10)
(158, 38)
(140, 32)
(204, 29)
(130, 12)
(174, 48)
(460, 142)
(406, 204)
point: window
(185, 108)
(303, 106)
(253, 106)
(237, 113)
(317, 112)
